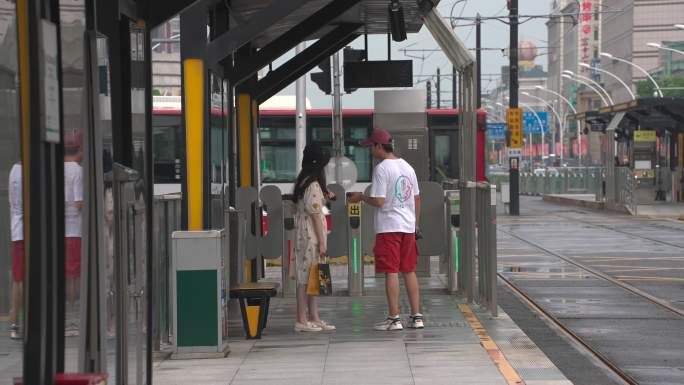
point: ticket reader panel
(453, 215)
(288, 283)
(355, 256)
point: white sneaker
(416, 321)
(324, 325)
(389, 324)
(306, 327)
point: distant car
(550, 171)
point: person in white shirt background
(17, 229)
(73, 199)
(395, 194)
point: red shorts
(18, 261)
(395, 252)
(73, 257)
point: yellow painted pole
(245, 141)
(193, 89)
(25, 99)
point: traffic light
(351, 55)
(323, 79)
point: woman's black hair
(313, 170)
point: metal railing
(167, 219)
(626, 186)
(569, 180)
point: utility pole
(428, 91)
(337, 118)
(438, 90)
(300, 130)
(514, 163)
(478, 59)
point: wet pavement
(447, 351)
(557, 255)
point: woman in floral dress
(310, 196)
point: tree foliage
(645, 88)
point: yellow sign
(644, 136)
(354, 210)
(514, 117)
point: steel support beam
(158, 14)
(278, 79)
(235, 38)
(250, 65)
(130, 9)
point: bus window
(362, 157)
(321, 134)
(277, 154)
(278, 164)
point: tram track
(623, 285)
(569, 333)
(606, 227)
(612, 364)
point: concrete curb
(574, 202)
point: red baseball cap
(379, 136)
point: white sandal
(307, 327)
(324, 326)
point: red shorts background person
(73, 205)
(18, 261)
(18, 254)
(73, 257)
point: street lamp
(560, 96)
(660, 46)
(585, 81)
(494, 113)
(561, 122)
(586, 65)
(579, 132)
(609, 56)
(172, 39)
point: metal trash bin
(200, 283)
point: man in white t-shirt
(73, 204)
(17, 225)
(396, 196)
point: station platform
(459, 345)
(657, 210)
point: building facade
(574, 36)
(628, 26)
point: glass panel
(72, 18)
(443, 158)
(107, 162)
(217, 152)
(135, 274)
(11, 208)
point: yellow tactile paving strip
(499, 359)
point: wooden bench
(254, 300)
